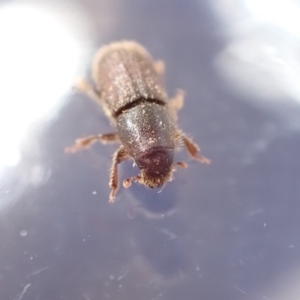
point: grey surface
(225, 231)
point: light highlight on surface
(260, 60)
(39, 58)
(283, 13)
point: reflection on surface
(229, 231)
(261, 57)
(39, 58)
(283, 13)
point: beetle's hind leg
(120, 155)
(159, 66)
(85, 87)
(88, 141)
(193, 148)
(176, 103)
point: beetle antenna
(127, 182)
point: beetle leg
(159, 66)
(120, 155)
(176, 103)
(88, 141)
(193, 149)
(85, 87)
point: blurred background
(226, 231)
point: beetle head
(156, 166)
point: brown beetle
(128, 84)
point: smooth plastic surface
(226, 231)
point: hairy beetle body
(125, 73)
(128, 84)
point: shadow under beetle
(129, 86)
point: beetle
(128, 84)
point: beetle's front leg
(120, 155)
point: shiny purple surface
(226, 231)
